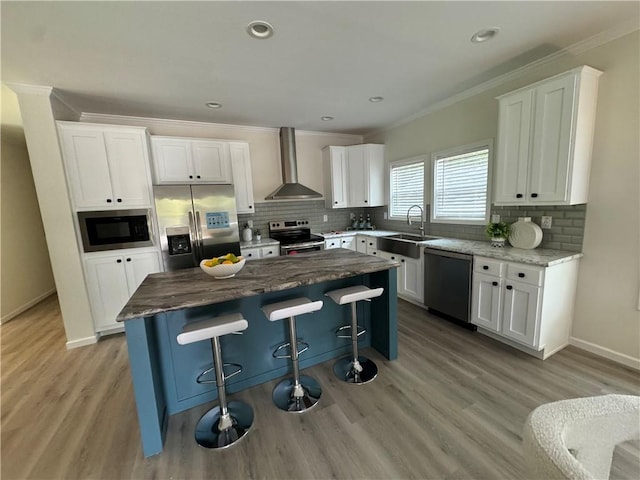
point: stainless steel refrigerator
(195, 222)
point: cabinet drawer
(525, 274)
(488, 266)
(250, 253)
(270, 251)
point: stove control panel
(278, 225)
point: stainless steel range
(295, 236)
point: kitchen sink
(412, 237)
(406, 244)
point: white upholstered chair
(575, 439)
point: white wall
(26, 276)
(607, 320)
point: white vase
(498, 242)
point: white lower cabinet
(253, 253)
(529, 305)
(330, 243)
(111, 280)
(410, 275)
(348, 242)
(361, 243)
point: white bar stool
(356, 368)
(225, 423)
(300, 393)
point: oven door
(296, 248)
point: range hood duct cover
(290, 189)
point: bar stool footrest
(305, 347)
(224, 376)
(361, 331)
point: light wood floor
(452, 406)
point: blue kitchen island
(164, 372)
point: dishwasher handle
(446, 253)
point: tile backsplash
(566, 232)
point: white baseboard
(26, 306)
(606, 353)
(82, 342)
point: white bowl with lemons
(225, 266)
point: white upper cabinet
(335, 177)
(107, 166)
(241, 173)
(545, 135)
(354, 176)
(190, 160)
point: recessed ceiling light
(376, 99)
(213, 105)
(259, 29)
(485, 34)
(326, 118)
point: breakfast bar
(164, 373)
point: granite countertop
(543, 257)
(264, 242)
(350, 233)
(168, 291)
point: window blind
(460, 186)
(406, 188)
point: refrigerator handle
(195, 244)
(199, 233)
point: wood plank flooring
(451, 407)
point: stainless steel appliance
(195, 222)
(114, 229)
(295, 236)
(447, 284)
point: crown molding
(42, 90)
(590, 43)
(30, 89)
(163, 122)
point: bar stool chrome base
(208, 433)
(284, 399)
(346, 371)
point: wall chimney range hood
(290, 188)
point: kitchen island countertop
(169, 291)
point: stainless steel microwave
(115, 229)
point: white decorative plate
(525, 234)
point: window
(406, 186)
(460, 184)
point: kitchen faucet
(421, 217)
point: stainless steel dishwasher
(447, 284)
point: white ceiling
(167, 59)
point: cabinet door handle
(119, 260)
(270, 252)
(128, 259)
(119, 200)
(250, 206)
(509, 287)
(335, 202)
(518, 195)
(365, 201)
(495, 284)
(521, 275)
(485, 267)
(534, 195)
(197, 176)
(402, 260)
(375, 253)
(190, 176)
(108, 200)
